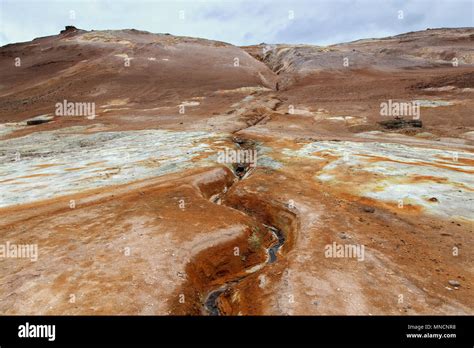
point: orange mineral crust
(182, 183)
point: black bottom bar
(240, 331)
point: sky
(240, 22)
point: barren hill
(213, 179)
(142, 68)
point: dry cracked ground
(133, 210)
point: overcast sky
(241, 22)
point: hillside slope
(130, 67)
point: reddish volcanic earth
(153, 174)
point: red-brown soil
(183, 225)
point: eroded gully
(242, 171)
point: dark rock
(68, 29)
(37, 121)
(369, 209)
(240, 169)
(239, 141)
(398, 123)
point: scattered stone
(35, 122)
(239, 141)
(432, 103)
(38, 120)
(369, 209)
(455, 283)
(433, 199)
(398, 123)
(343, 235)
(240, 170)
(425, 135)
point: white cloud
(236, 21)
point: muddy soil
(146, 207)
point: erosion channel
(242, 170)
